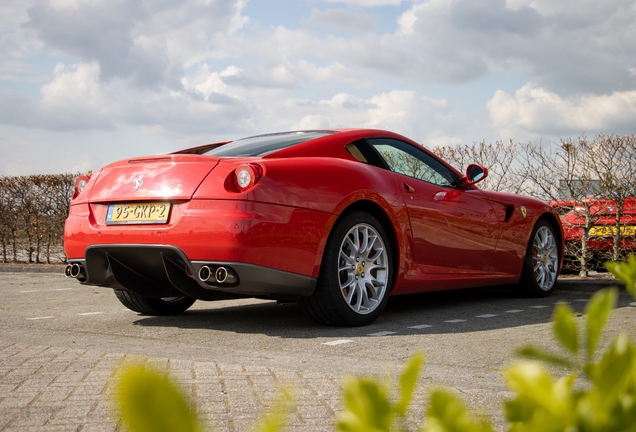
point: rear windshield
(262, 145)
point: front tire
(541, 264)
(154, 306)
(355, 276)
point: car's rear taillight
(246, 176)
(80, 184)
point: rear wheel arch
(384, 219)
(558, 232)
(556, 226)
(356, 273)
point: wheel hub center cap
(360, 268)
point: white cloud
(367, 3)
(146, 42)
(567, 48)
(191, 71)
(536, 110)
(13, 12)
(208, 83)
(354, 19)
(587, 8)
(15, 44)
(405, 112)
(334, 73)
(76, 99)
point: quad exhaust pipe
(75, 271)
(220, 275)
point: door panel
(454, 230)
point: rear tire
(541, 264)
(154, 306)
(355, 275)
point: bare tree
(612, 159)
(501, 160)
(564, 175)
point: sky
(87, 82)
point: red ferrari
(336, 220)
(602, 219)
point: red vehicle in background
(603, 220)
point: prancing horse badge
(523, 211)
(139, 180)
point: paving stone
(7, 415)
(99, 427)
(46, 384)
(21, 400)
(30, 418)
(75, 410)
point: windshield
(264, 144)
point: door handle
(452, 195)
(408, 188)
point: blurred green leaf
(536, 353)
(565, 328)
(519, 409)
(531, 380)
(625, 272)
(149, 402)
(542, 403)
(446, 413)
(277, 416)
(367, 407)
(611, 374)
(408, 381)
(597, 312)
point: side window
(362, 151)
(405, 159)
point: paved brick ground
(54, 389)
(56, 374)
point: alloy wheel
(363, 269)
(545, 258)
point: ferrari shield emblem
(137, 182)
(523, 211)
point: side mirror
(474, 174)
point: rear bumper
(158, 271)
(280, 237)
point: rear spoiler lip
(201, 149)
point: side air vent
(509, 210)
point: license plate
(138, 213)
(604, 231)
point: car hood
(174, 177)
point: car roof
(324, 142)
